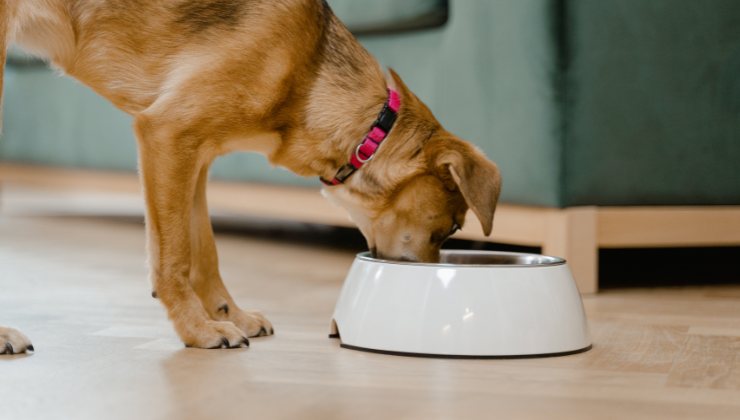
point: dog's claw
(8, 349)
(244, 341)
(30, 348)
(223, 345)
(263, 332)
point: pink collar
(366, 150)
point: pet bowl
(473, 304)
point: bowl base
(460, 356)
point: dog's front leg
(170, 164)
(204, 274)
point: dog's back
(151, 46)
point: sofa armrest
(18, 58)
(364, 17)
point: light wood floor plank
(708, 362)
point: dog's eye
(440, 237)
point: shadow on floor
(654, 267)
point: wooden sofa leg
(571, 234)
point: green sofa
(614, 102)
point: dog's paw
(13, 341)
(215, 335)
(252, 322)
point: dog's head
(416, 191)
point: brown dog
(281, 77)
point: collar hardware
(365, 151)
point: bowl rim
(550, 261)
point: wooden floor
(104, 350)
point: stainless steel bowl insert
(454, 258)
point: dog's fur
(282, 77)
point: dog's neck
(343, 100)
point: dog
(285, 78)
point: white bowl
(474, 304)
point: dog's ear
(477, 178)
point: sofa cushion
(377, 16)
(653, 116)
